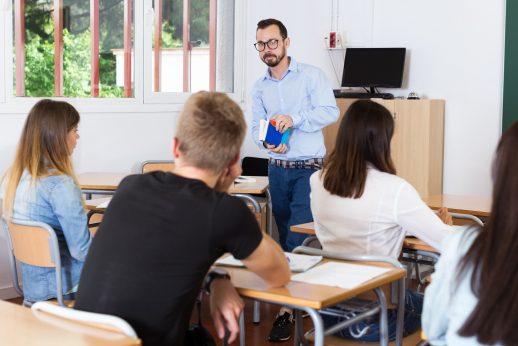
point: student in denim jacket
(472, 297)
(41, 186)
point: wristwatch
(215, 274)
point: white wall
(455, 53)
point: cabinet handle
(394, 115)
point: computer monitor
(374, 67)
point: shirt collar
(293, 67)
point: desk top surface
(412, 243)
(21, 326)
(313, 296)
(480, 206)
(110, 181)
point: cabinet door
(330, 132)
(418, 142)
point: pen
(288, 259)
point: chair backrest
(152, 166)
(31, 245)
(108, 322)
(255, 166)
(390, 290)
(467, 219)
(34, 243)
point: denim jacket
(56, 202)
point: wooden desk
(93, 204)
(413, 243)
(21, 326)
(100, 183)
(479, 206)
(309, 297)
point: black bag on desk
(197, 335)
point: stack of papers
(343, 275)
(298, 263)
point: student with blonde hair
(163, 231)
(41, 186)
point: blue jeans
(289, 188)
(412, 320)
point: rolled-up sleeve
(65, 199)
(324, 111)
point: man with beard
(300, 97)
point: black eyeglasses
(272, 44)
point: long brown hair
(494, 255)
(42, 147)
(364, 136)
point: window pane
(70, 74)
(187, 68)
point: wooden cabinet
(418, 142)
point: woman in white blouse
(360, 206)
(472, 297)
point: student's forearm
(269, 262)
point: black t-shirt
(157, 241)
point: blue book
(268, 133)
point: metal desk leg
(319, 325)
(383, 316)
(299, 338)
(242, 328)
(400, 312)
(409, 268)
(257, 311)
(270, 212)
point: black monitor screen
(374, 67)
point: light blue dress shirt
(305, 94)
(446, 305)
(56, 201)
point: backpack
(197, 335)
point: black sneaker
(282, 327)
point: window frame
(152, 97)
(140, 102)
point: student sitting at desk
(472, 297)
(163, 231)
(360, 206)
(41, 186)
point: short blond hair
(210, 130)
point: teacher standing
(300, 97)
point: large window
(131, 52)
(66, 48)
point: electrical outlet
(335, 39)
(332, 40)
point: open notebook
(298, 263)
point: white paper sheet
(298, 263)
(104, 205)
(342, 275)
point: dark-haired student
(472, 297)
(360, 206)
(163, 231)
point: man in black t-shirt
(163, 231)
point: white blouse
(377, 222)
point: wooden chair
(414, 339)
(108, 322)
(34, 243)
(157, 165)
(394, 292)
